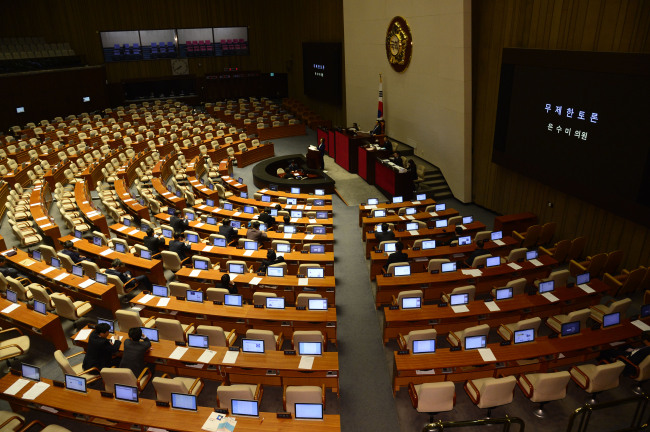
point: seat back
(64, 306)
(63, 362)
(596, 265)
(436, 264)
(480, 260)
(216, 335)
(39, 293)
(562, 250)
(532, 236)
(517, 255)
(171, 261)
(533, 323)
(620, 306)
(178, 289)
(127, 319)
(550, 386)
(217, 294)
(166, 386)
(302, 300)
(613, 262)
(547, 233)
(112, 376)
(266, 335)
(392, 266)
(170, 329)
(259, 298)
(308, 336)
(420, 335)
(579, 315)
(436, 397)
(90, 268)
(644, 370)
(48, 252)
(606, 377)
(577, 247)
(301, 394)
(467, 289)
(482, 235)
(496, 391)
(560, 277)
(518, 285)
(479, 330)
(225, 393)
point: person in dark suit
(266, 218)
(180, 246)
(293, 166)
(179, 222)
(477, 252)
(134, 350)
(153, 243)
(227, 231)
(125, 276)
(385, 234)
(271, 258)
(632, 356)
(254, 233)
(227, 284)
(396, 159)
(397, 256)
(100, 350)
(321, 150)
(6, 270)
(73, 254)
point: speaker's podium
(313, 158)
(347, 145)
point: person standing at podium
(321, 150)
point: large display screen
(322, 71)
(577, 121)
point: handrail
(581, 416)
(439, 426)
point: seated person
(227, 284)
(6, 270)
(266, 218)
(396, 159)
(180, 246)
(100, 350)
(179, 222)
(227, 231)
(125, 276)
(135, 347)
(293, 166)
(271, 258)
(385, 234)
(631, 356)
(478, 252)
(73, 254)
(153, 243)
(397, 256)
(254, 233)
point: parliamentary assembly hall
(324, 215)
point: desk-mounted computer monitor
(373, 201)
(244, 408)
(232, 300)
(441, 223)
(403, 270)
(398, 199)
(570, 328)
(194, 296)
(236, 268)
(317, 273)
(310, 348)
(150, 333)
(531, 255)
(547, 286)
(428, 244)
(31, 372)
(468, 220)
(390, 247)
(40, 307)
(160, 290)
(493, 262)
(496, 235)
(411, 302)
(503, 293)
(319, 192)
(464, 240)
(317, 304)
(110, 322)
(611, 319)
(197, 341)
(424, 346)
(275, 302)
(255, 346)
(421, 197)
(219, 242)
(275, 271)
(448, 267)
(412, 226)
(75, 383)
(183, 401)
(283, 247)
(583, 278)
(265, 198)
(458, 299)
(441, 207)
(523, 336)
(251, 245)
(475, 342)
(126, 393)
(295, 190)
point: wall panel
(589, 25)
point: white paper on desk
(17, 386)
(195, 273)
(536, 262)
(306, 362)
(198, 224)
(206, 356)
(492, 306)
(145, 298)
(61, 276)
(236, 214)
(202, 206)
(287, 235)
(85, 284)
(425, 372)
(487, 355)
(294, 220)
(178, 353)
(83, 334)
(410, 217)
(415, 202)
(309, 236)
(413, 232)
(550, 297)
(233, 276)
(230, 357)
(514, 266)
(248, 252)
(370, 207)
(155, 429)
(499, 242)
(460, 309)
(45, 226)
(10, 308)
(288, 206)
(263, 190)
(312, 221)
(213, 421)
(47, 270)
(403, 217)
(36, 390)
(167, 193)
(586, 288)
(303, 281)
(106, 252)
(74, 240)
(207, 248)
(308, 207)
(133, 232)
(122, 228)
(128, 200)
(434, 214)
(41, 218)
(163, 301)
(472, 272)
(255, 281)
(641, 325)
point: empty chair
(559, 252)
(391, 266)
(272, 342)
(165, 386)
(408, 294)
(626, 283)
(458, 338)
(577, 247)
(406, 342)
(515, 255)
(433, 398)
(41, 294)
(507, 331)
(470, 290)
(217, 336)
(302, 299)
(620, 306)
(292, 395)
(559, 277)
(308, 336)
(23, 293)
(11, 422)
(225, 393)
(480, 260)
(529, 238)
(597, 378)
(13, 346)
(593, 265)
(555, 322)
(124, 376)
(518, 286)
(171, 329)
(259, 298)
(66, 308)
(544, 387)
(216, 294)
(490, 392)
(127, 319)
(612, 263)
(76, 370)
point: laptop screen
(126, 393)
(36, 255)
(232, 300)
(31, 372)
(570, 328)
(78, 234)
(289, 229)
(119, 247)
(184, 401)
(583, 278)
(75, 383)
(110, 322)
(496, 235)
(209, 202)
(150, 333)
(160, 290)
(465, 240)
(308, 411)
(645, 311)
(227, 206)
(441, 223)
(404, 270)
(145, 254)
(275, 271)
(411, 302)
(319, 192)
(611, 319)
(531, 255)
(503, 293)
(379, 213)
(292, 201)
(252, 346)
(390, 247)
(398, 199)
(310, 348)
(523, 336)
(77, 270)
(101, 278)
(192, 238)
(211, 220)
(424, 346)
(410, 211)
(458, 299)
(236, 268)
(412, 226)
(468, 220)
(283, 247)
(547, 286)
(441, 207)
(428, 244)
(40, 307)
(475, 342)
(250, 245)
(220, 242)
(321, 215)
(56, 263)
(197, 341)
(448, 267)
(296, 214)
(194, 296)
(249, 209)
(315, 272)
(247, 408)
(492, 262)
(265, 198)
(373, 201)
(317, 304)
(275, 302)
